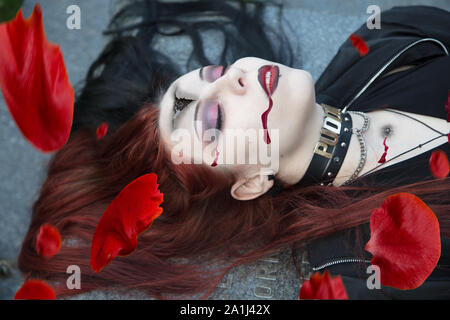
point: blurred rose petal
(48, 241)
(35, 290)
(405, 241)
(34, 82)
(102, 130)
(359, 44)
(128, 215)
(439, 165)
(323, 287)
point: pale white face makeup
(234, 100)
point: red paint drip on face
(215, 160)
(264, 117)
(383, 156)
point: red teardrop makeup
(268, 79)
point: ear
(248, 188)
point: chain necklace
(362, 144)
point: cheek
(301, 91)
(245, 114)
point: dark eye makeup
(212, 111)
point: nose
(236, 80)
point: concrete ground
(317, 27)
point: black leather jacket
(418, 36)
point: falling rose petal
(34, 82)
(128, 215)
(359, 44)
(323, 286)
(48, 241)
(35, 290)
(102, 130)
(405, 241)
(439, 165)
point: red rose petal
(48, 241)
(35, 290)
(323, 287)
(439, 165)
(128, 215)
(102, 130)
(405, 241)
(34, 82)
(359, 44)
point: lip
(274, 75)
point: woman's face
(226, 110)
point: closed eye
(179, 105)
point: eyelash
(181, 103)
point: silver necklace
(362, 145)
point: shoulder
(408, 36)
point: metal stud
(343, 144)
(336, 159)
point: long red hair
(202, 233)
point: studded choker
(330, 150)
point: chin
(296, 100)
(302, 91)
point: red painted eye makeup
(209, 114)
(213, 72)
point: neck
(295, 165)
